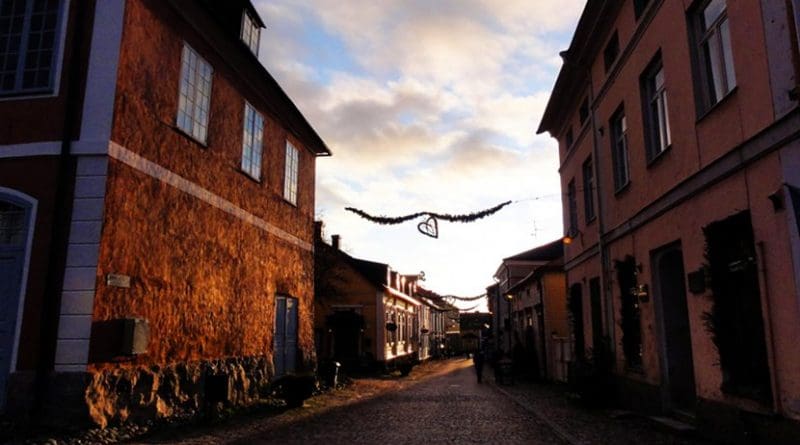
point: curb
(557, 429)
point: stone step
(673, 424)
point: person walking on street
(477, 360)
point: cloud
(428, 106)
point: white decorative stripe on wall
(49, 148)
(156, 171)
(80, 274)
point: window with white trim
(714, 52)
(28, 45)
(195, 94)
(290, 175)
(252, 141)
(656, 111)
(251, 32)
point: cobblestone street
(439, 403)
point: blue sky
(428, 106)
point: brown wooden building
(677, 124)
(156, 210)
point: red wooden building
(156, 209)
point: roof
(556, 265)
(545, 252)
(219, 25)
(595, 21)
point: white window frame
(252, 141)
(715, 53)
(18, 91)
(194, 94)
(291, 173)
(657, 125)
(251, 32)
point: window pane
(12, 224)
(714, 66)
(727, 52)
(712, 12)
(194, 95)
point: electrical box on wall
(135, 336)
(118, 339)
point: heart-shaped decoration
(429, 227)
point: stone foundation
(135, 394)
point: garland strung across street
(429, 226)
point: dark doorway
(576, 315)
(597, 314)
(677, 365)
(346, 327)
(630, 313)
(735, 320)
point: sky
(428, 105)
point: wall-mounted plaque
(118, 280)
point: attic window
(251, 32)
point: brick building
(678, 134)
(156, 209)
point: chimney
(317, 230)
(335, 241)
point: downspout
(776, 395)
(65, 184)
(601, 247)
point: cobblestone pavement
(449, 408)
(584, 426)
(439, 403)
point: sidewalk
(579, 426)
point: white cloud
(434, 106)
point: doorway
(576, 314)
(285, 340)
(15, 217)
(677, 365)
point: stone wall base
(134, 394)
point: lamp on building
(570, 236)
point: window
(290, 178)
(611, 52)
(12, 224)
(714, 52)
(251, 32)
(583, 111)
(572, 201)
(619, 149)
(195, 95)
(569, 139)
(28, 44)
(251, 141)
(656, 112)
(639, 6)
(588, 190)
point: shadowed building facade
(678, 126)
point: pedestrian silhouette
(477, 360)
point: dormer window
(251, 32)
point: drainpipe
(776, 396)
(65, 182)
(605, 266)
